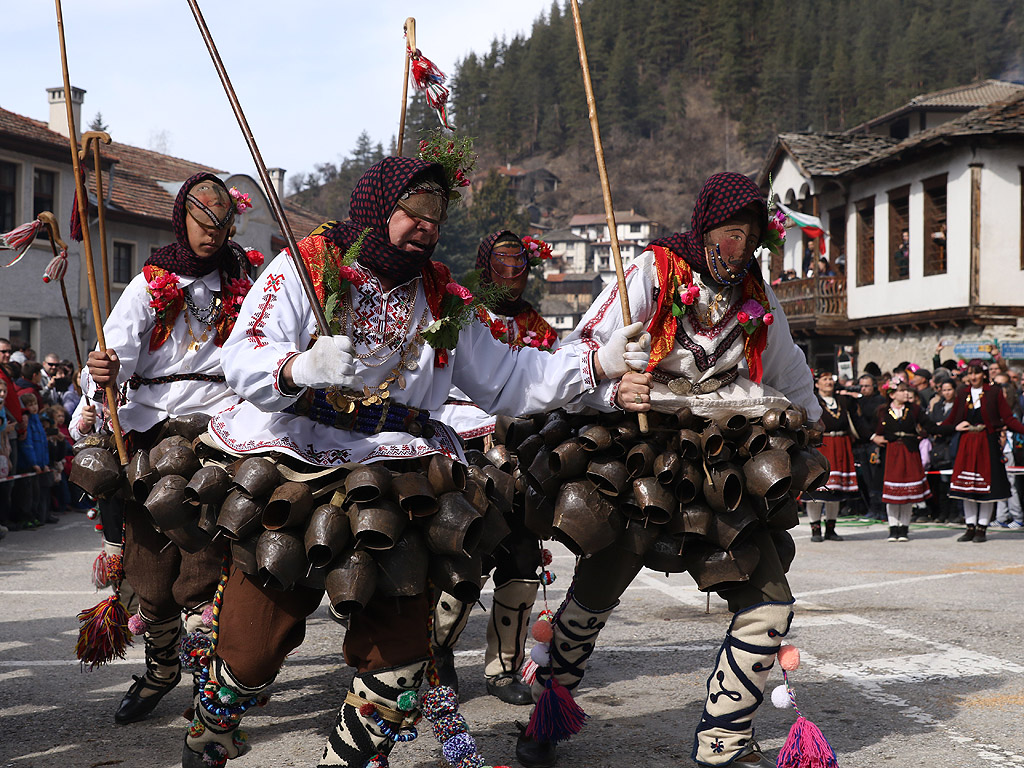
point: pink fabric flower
(351, 274)
(769, 318)
(457, 290)
(753, 308)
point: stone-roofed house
(634, 231)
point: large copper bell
(640, 460)
(502, 487)
(351, 583)
(208, 519)
(768, 474)
(771, 420)
(512, 432)
(456, 528)
(656, 502)
(445, 474)
(290, 505)
(690, 484)
(735, 428)
(157, 452)
(166, 503)
(625, 436)
(595, 438)
(500, 457)
(458, 576)
(476, 492)
(239, 515)
(528, 450)
(494, 530)
(540, 476)
(538, 514)
(610, 476)
(475, 458)
(712, 441)
(377, 524)
(668, 467)
(798, 436)
(190, 537)
(415, 494)
(585, 521)
(690, 445)
(637, 537)
(402, 570)
(815, 433)
(723, 488)
(102, 440)
(685, 418)
(809, 472)
(478, 477)
(568, 460)
(243, 554)
(556, 429)
(668, 554)
(696, 519)
(327, 535)
(190, 427)
(783, 514)
(720, 569)
(780, 441)
(786, 548)
(95, 471)
(281, 559)
(177, 460)
(757, 440)
(730, 528)
(210, 485)
(366, 484)
(794, 417)
(141, 476)
(257, 477)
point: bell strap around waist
(137, 381)
(387, 416)
(680, 385)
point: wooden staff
(410, 47)
(609, 210)
(50, 221)
(261, 168)
(83, 214)
(94, 138)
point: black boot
(968, 534)
(534, 754)
(163, 672)
(979, 534)
(444, 662)
(894, 533)
(830, 531)
(904, 533)
(816, 532)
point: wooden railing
(813, 298)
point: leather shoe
(190, 759)
(134, 706)
(444, 662)
(534, 754)
(751, 756)
(509, 689)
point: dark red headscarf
(509, 307)
(178, 256)
(373, 201)
(722, 196)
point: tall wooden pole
(83, 214)
(410, 46)
(606, 190)
(94, 138)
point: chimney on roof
(277, 179)
(58, 110)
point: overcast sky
(310, 74)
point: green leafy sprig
(337, 276)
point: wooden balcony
(814, 305)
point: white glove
(330, 362)
(620, 355)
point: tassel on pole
(103, 634)
(19, 239)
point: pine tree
(97, 123)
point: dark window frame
(936, 218)
(899, 220)
(119, 273)
(866, 241)
(8, 196)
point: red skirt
(904, 481)
(978, 471)
(838, 449)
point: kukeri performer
(164, 339)
(837, 448)
(505, 259)
(721, 347)
(297, 417)
(979, 413)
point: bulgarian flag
(809, 225)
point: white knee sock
(814, 511)
(985, 509)
(831, 510)
(970, 512)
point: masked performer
(979, 413)
(837, 448)
(164, 339)
(315, 408)
(503, 259)
(721, 354)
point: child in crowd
(33, 457)
(60, 457)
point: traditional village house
(943, 174)
(634, 231)
(139, 187)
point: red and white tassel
(19, 239)
(806, 746)
(426, 77)
(103, 634)
(56, 269)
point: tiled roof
(831, 154)
(33, 130)
(563, 236)
(962, 97)
(551, 307)
(621, 217)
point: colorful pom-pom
(458, 747)
(546, 557)
(542, 631)
(380, 760)
(115, 568)
(408, 701)
(137, 625)
(540, 654)
(240, 738)
(547, 578)
(473, 761)
(789, 657)
(196, 729)
(546, 615)
(195, 650)
(780, 697)
(215, 754)
(438, 702)
(208, 616)
(226, 696)
(368, 709)
(448, 726)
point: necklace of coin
(194, 346)
(391, 342)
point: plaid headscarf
(722, 196)
(509, 307)
(373, 201)
(178, 256)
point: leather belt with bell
(680, 385)
(386, 416)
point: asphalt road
(911, 659)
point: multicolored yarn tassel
(806, 746)
(19, 239)
(556, 716)
(56, 269)
(426, 77)
(104, 633)
(75, 229)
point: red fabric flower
(255, 257)
(743, 317)
(498, 329)
(351, 274)
(769, 318)
(461, 291)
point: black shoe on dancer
(534, 754)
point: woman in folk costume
(721, 350)
(164, 339)
(980, 411)
(904, 484)
(316, 407)
(503, 259)
(837, 448)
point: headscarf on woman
(510, 306)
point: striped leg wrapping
(575, 634)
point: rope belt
(680, 385)
(387, 416)
(137, 381)
(905, 434)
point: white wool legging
(899, 514)
(814, 510)
(978, 512)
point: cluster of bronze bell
(685, 496)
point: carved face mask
(425, 200)
(210, 205)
